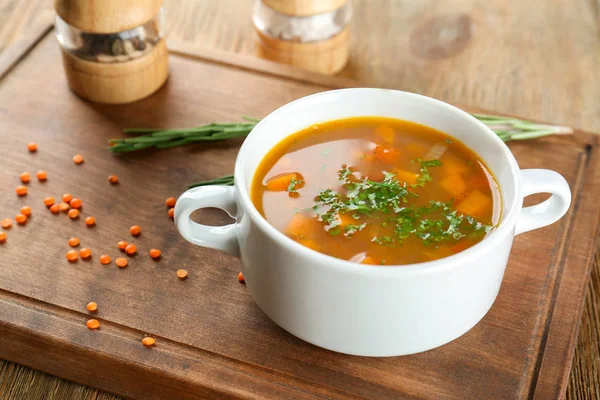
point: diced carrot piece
(453, 165)
(475, 204)
(405, 176)
(386, 154)
(386, 133)
(311, 244)
(454, 184)
(301, 226)
(368, 260)
(281, 182)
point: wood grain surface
(538, 59)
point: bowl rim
(504, 228)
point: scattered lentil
(121, 262)
(131, 249)
(41, 176)
(92, 324)
(113, 179)
(78, 159)
(182, 274)
(75, 202)
(148, 341)
(21, 190)
(6, 223)
(25, 177)
(67, 197)
(122, 244)
(21, 219)
(26, 210)
(32, 147)
(240, 278)
(90, 221)
(72, 255)
(155, 253)
(73, 213)
(171, 212)
(170, 202)
(85, 253)
(48, 201)
(135, 230)
(54, 209)
(74, 242)
(2, 237)
(104, 259)
(91, 306)
(64, 207)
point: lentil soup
(377, 191)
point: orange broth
(399, 192)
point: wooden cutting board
(212, 340)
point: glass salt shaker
(310, 34)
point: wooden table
(539, 60)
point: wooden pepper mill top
(113, 50)
(310, 34)
(107, 16)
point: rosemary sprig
(167, 138)
(509, 129)
(226, 180)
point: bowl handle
(548, 212)
(222, 238)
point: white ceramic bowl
(371, 310)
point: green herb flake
(449, 141)
(335, 231)
(294, 183)
(326, 152)
(425, 176)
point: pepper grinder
(310, 34)
(113, 50)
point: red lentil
(78, 159)
(104, 259)
(25, 177)
(21, 219)
(21, 190)
(135, 230)
(92, 324)
(121, 262)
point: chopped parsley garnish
(424, 175)
(448, 141)
(294, 184)
(326, 152)
(388, 201)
